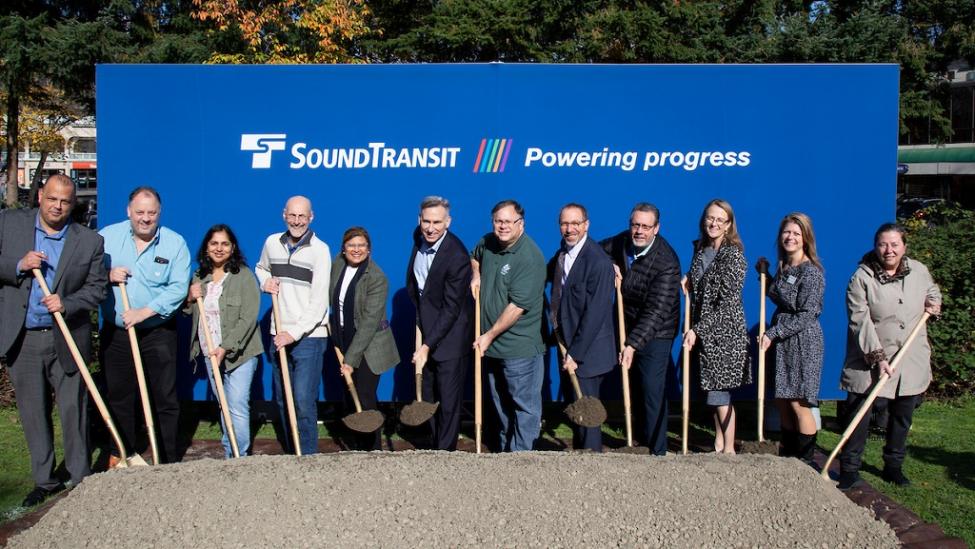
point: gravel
(436, 499)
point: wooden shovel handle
(627, 404)
(289, 398)
(419, 367)
(686, 378)
(478, 390)
(572, 375)
(218, 380)
(83, 369)
(140, 376)
(761, 357)
(872, 395)
(348, 381)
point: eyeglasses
(297, 217)
(573, 224)
(716, 220)
(641, 226)
(505, 222)
(355, 246)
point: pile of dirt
(587, 411)
(434, 499)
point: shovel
(868, 403)
(362, 422)
(289, 399)
(627, 409)
(140, 376)
(478, 404)
(124, 461)
(762, 446)
(686, 378)
(418, 412)
(586, 411)
(218, 381)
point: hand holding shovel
(586, 411)
(872, 395)
(140, 376)
(361, 421)
(124, 460)
(418, 412)
(218, 380)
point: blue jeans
(237, 387)
(305, 363)
(516, 389)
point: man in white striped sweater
(296, 266)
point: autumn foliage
(286, 31)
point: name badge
(791, 279)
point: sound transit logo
(262, 144)
(492, 156)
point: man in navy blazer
(581, 310)
(438, 280)
(69, 257)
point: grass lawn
(940, 460)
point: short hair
(433, 201)
(234, 262)
(353, 232)
(580, 207)
(646, 207)
(508, 202)
(144, 189)
(890, 228)
(60, 178)
(805, 225)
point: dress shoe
(113, 461)
(38, 495)
(848, 480)
(895, 476)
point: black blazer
(81, 280)
(651, 290)
(586, 310)
(445, 311)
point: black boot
(789, 444)
(848, 480)
(894, 475)
(806, 449)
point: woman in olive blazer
(232, 313)
(361, 331)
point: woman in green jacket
(231, 301)
(359, 328)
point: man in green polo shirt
(510, 270)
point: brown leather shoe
(113, 461)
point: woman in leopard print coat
(715, 282)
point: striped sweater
(303, 276)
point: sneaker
(895, 476)
(38, 495)
(848, 480)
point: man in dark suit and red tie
(438, 280)
(581, 310)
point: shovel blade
(417, 413)
(586, 412)
(366, 421)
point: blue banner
(366, 143)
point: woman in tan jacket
(885, 299)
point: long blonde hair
(731, 234)
(808, 238)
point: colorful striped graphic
(492, 156)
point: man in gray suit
(70, 259)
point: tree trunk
(36, 181)
(13, 129)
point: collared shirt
(512, 275)
(571, 253)
(424, 259)
(160, 274)
(632, 255)
(52, 245)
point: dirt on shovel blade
(417, 413)
(634, 450)
(587, 412)
(769, 447)
(372, 499)
(365, 421)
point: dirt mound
(434, 499)
(755, 447)
(417, 412)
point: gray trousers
(34, 370)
